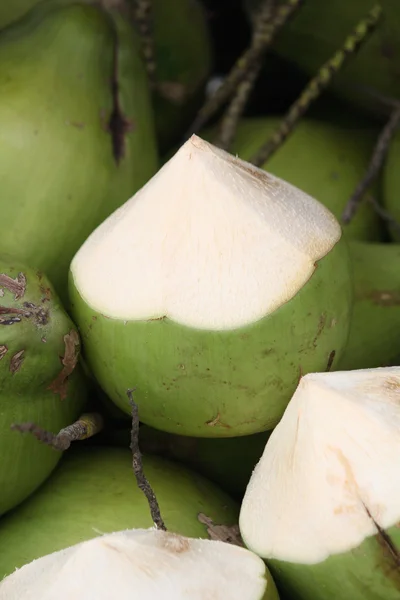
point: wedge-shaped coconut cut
(323, 503)
(210, 292)
(143, 564)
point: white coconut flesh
(142, 564)
(330, 471)
(210, 242)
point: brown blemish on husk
(174, 542)
(3, 351)
(217, 422)
(222, 533)
(320, 328)
(16, 361)
(69, 362)
(16, 286)
(382, 297)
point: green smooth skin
(319, 29)
(14, 10)
(94, 491)
(368, 572)
(391, 184)
(374, 339)
(58, 176)
(220, 383)
(24, 394)
(325, 159)
(183, 48)
(227, 462)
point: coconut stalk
(199, 300)
(323, 504)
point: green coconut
(227, 462)
(76, 129)
(147, 562)
(324, 159)
(391, 185)
(183, 51)
(203, 293)
(93, 491)
(40, 379)
(323, 504)
(319, 29)
(375, 325)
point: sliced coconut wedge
(210, 291)
(144, 565)
(210, 242)
(323, 503)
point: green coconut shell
(368, 572)
(94, 491)
(62, 172)
(326, 159)
(319, 29)
(228, 462)
(374, 331)
(221, 383)
(40, 378)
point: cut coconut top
(210, 242)
(142, 564)
(330, 471)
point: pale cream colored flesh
(210, 242)
(330, 468)
(141, 565)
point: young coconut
(40, 379)
(69, 161)
(375, 324)
(210, 292)
(93, 491)
(338, 153)
(145, 564)
(323, 504)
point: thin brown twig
(235, 109)
(88, 425)
(143, 18)
(384, 215)
(263, 37)
(374, 167)
(317, 84)
(137, 464)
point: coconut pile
(199, 300)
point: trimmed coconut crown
(329, 475)
(210, 242)
(142, 564)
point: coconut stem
(143, 18)
(137, 464)
(384, 215)
(85, 427)
(264, 34)
(238, 103)
(375, 165)
(317, 84)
